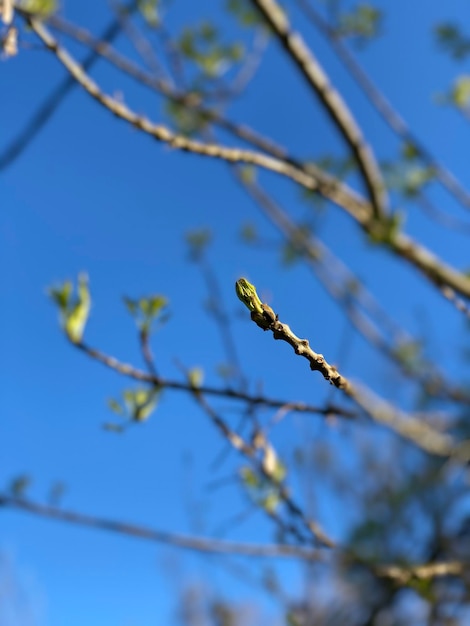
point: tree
(331, 470)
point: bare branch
(140, 43)
(383, 106)
(188, 542)
(332, 101)
(408, 426)
(250, 451)
(359, 305)
(402, 575)
(254, 400)
(190, 100)
(310, 177)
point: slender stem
(254, 400)
(189, 542)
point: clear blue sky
(91, 194)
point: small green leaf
(149, 11)
(145, 403)
(77, 316)
(270, 502)
(187, 120)
(279, 473)
(424, 587)
(61, 295)
(140, 402)
(362, 23)
(148, 310)
(74, 312)
(409, 151)
(460, 94)
(41, 8)
(385, 230)
(249, 477)
(244, 12)
(195, 377)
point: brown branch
(407, 426)
(250, 451)
(162, 133)
(255, 400)
(400, 574)
(382, 105)
(310, 177)
(188, 542)
(359, 305)
(188, 99)
(331, 100)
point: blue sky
(91, 194)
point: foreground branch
(369, 318)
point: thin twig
(253, 400)
(250, 452)
(46, 110)
(330, 98)
(198, 544)
(140, 43)
(400, 574)
(247, 71)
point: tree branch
(309, 177)
(188, 542)
(383, 106)
(409, 427)
(254, 400)
(331, 100)
(358, 304)
(402, 575)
